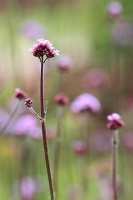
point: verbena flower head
(115, 121)
(20, 94)
(115, 9)
(43, 48)
(28, 102)
(64, 63)
(61, 99)
(86, 102)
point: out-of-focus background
(96, 40)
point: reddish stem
(43, 124)
(114, 164)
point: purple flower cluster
(26, 125)
(20, 94)
(61, 99)
(86, 102)
(28, 188)
(115, 9)
(115, 121)
(43, 48)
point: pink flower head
(115, 9)
(28, 188)
(44, 48)
(115, 121)
(80, 147)
(64, 63)
(28, 102)
(61, 99)
(86, 102)
(20, 94)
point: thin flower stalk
(43, 50)
(43, 125)
(85, 168)
(115, 122)
(114, 163)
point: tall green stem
(43, 124)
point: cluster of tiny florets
(28, 102)
(43, 48)
(20, 94)
(115, 121)
(61, 99)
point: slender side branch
(34, 113)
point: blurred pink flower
(115, 9)
(61, 99)
(37, 133)
(64, 63)
(86, 102)
(20, 94)
(115, 121)
(95, 79)
(28, 188)
(25, 125)
(80, 147)
(33, 30)
(43, 48)
(106, 188)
